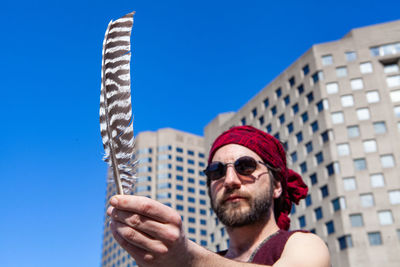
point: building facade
(169, 170)
(337, 111)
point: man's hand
(149, 231)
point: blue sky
(191, 61)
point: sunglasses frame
(225, 167)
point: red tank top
(270, 250)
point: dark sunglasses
(244, 166)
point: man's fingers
(133, 239)
(147, 207)
(136, 252)
(155, 229)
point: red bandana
(273, 153)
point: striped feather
(115, 104)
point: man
(251, 191)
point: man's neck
(244, 240)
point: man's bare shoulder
(304, 249)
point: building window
(332, 88)
(295, 108)
(372, 97)
(322, 104)
(302, 221)
(276, 136)
(385, 217)
(369, 146)
(313, 178)
(269, 128)
(349, 184)
(345, 242)
(306, 70)
(325, 136)
(360, 164)
(363, 114)
(395, 96)
(367, 200)
(294, 157)
(191, 209)
(397, 111)
(243, 121)
(318, 213)
(332, 168)
(309, 147)
(319, 158)
(179, 150)
(282, 118)
(327, 60)
(324, 191)
(290, 128)
(393, 81)
(341, 72)
(377, 180)
(356, 220)
(273, 110)
(366, 67)
(292, 81)
(357, 84)
(351, 56)
(337, 117)
(394, 197)
(387, 161)
(300, 89)
(330, 227)
(390, 68)
(338, 204)
(343, 149)
(254, 112)
(375, 238)
(286, 99)
(310, 97)
(379, 127)
(308, 200)
(201, 155)
(299, 137)
(353, 131)
(261, 120)
(347, 100)
(293, 210)
(304, 117)
(317, 76)
(266, 102)
(303, 167)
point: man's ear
(277, 189)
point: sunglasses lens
(215, 171)
(245, 165)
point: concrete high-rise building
(169, 170)
(337, 110)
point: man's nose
(231, 178)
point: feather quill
(115, 104)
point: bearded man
(251, 191)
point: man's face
(240, 200)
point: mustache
(235, 192)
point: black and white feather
(115, 104)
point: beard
(236, 214)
